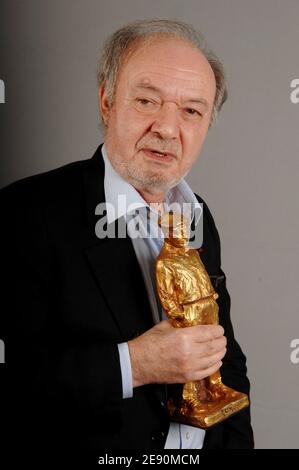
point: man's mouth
(159, 156)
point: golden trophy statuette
(188, 298)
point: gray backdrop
(248, 171)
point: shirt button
(187, 435)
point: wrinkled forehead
(170, 57)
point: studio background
(247, 172)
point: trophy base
(205, 415)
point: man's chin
(153, 184)
(143, 176)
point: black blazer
(68, 298)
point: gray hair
(118, 46)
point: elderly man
(89, 351)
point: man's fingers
(207, 372)
(199, 333)
(204, 333)
(210, 361)
(211, 347)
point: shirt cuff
(126, 370)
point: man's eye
(193, 112)
(144, 101)
(145, 105)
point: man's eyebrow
(145, 86)
(198, 100)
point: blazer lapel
(114, 263)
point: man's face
(163, 103)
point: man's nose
(166, 121)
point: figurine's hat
(173, 224)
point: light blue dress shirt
(180, 436)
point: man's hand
(165, 354)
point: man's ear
(104, 103)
